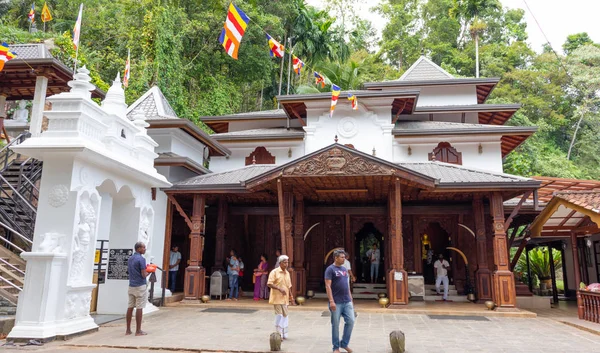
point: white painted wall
(490, 158)
(240, 150)
(447, 95)
(179, 142)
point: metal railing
(20, 236)
(11, 284)
(16, 209)
(30, 172)
(6, 153)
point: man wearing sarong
(281, 294)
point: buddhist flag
(319, 79)
(77, 28)
(127, 70)
(298, 64)
(277, 49)
(31, 14)
(5, 55)
(335, 94)
(233, 30)
(46, 15)
(352, 98)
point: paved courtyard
(222, 329)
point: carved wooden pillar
(482, 275)
(299, 270)
(577, 273)
(221, 232)
(503, 280)
(397, 278)
(194, 273)
(286, 210)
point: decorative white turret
(114, 103)
(81, 83)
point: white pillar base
(46, 331)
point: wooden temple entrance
(340, 197)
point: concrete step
(454, 298)
(432, 291)
(432, 286)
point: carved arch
(260, 155)
(444, 152)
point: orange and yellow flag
(46, 15)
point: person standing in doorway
(137, 293)
(277, 255)
(174, 260)
(337, 285)
(281, 294)
(374, 257)
(233, 272)
(441, 275)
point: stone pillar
(298, 264)
(37, 110)
(397, 278)
(194, 273)
(577, 274)
(482, 275)
(221, 233)
(503, 280)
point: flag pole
(76, 55)
(289, 64)
(281, 77)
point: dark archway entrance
(363, 241)
(439, 240)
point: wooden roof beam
(297, 115)
(400, 111)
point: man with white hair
(281, 294)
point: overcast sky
(557, 18)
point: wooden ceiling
(403, 106)
(483, 91)
(495, 118)
(510, 142)
(18, 77)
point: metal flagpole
(76, 55)
(289, 64)
(281, 77)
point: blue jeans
(374, 269)
(172, 280)
(233, 286)
(347, 311)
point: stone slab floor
(192, 329)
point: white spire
(81, 83)
(114, 103)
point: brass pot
(382, 295)
(384, 302)
(310, 293)
(205, 298)
(490, 305)
(471, 297)
(300, 300)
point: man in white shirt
(374, 257)
(174, 259)
(441, 275)
(349, 268)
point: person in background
(240, 277)
(281, 294)
(348, 267)
(337, 285)
(374, 257)
(174, 260)
(260, 279)
(441, 275)
(277, 255)
(232, 272)
(137, 292)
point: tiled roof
(231, 177)
(153, 105)
(30, 51)
(265, 114)
(424, 69)
(587, 199)
(452, 174)
(443, 125)
(277, 132)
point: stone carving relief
(347, 127)
(84, 235)
(52, 243)
(144, 228)
(78, 304)
(338, 162)
(58, 196)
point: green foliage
(575, 41)
(539, 262)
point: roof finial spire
(254, 159)
(374, 152)
(433, 157)
(335, 139)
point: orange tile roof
(552, 185)
(587, 199)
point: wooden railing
(591, 305)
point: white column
(37, 111)
(2, 105)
